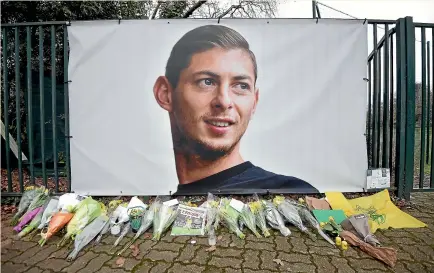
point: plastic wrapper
(230, 217)
(258, 212)
(274, 218)
(32, 226)
(147, 221)
(126, 228)
(50, 209)
(306, 216)
(58, 221)
(211, 213)
(247, 218)
(113, 205)
(163, 218)
(38, 201)
(69, 202)
(87, 211)
(87, 235)
(27, 218)
(290, 213)
(29, 194)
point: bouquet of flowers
(290, 212)
(229, 216)
(247, 218)
(163, 218)
(113, 205)
(274, 218)
(212, 212)
(308, 217)
(258, 210)
(30, 193)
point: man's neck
(191, 168)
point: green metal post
(53, 104)
(428, 88)
(385, 153)
(432, 119)
(423, 121)
(18, 106)
(410, 109)
(369, 113)
(41, 103)
(400, 107)
(6, 106)
(66, 97)
(375, 140)
(314, 9)
(391, 120)
(29, 102)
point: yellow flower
(344, 245)
(322, 224)
(301, 200)
(331, 218)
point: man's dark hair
(202, 39)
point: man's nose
(223, 99)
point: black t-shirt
(246, 178)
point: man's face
(215, 99)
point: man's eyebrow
(215, 75)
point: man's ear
(163, 93)
(256, 101)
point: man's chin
(213, 152)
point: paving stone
(294, 258)
(15, 268)
(251, 259)
(427, 250)
(8, 254)
(321, 242)
(323, 250)
(400, 268)
(367, 264)
(342, 265)
(110, 270)
(406, 241)
(129, 263)
(187, 253)
(282, 244)
(416, 267)
(257, 271)
(225, 240)
(158, 255)
(267, 258)
(160, 267)
(323, 264)
(80, 262)
(21, 245)
(213, 269)
(53, 264)
(351, 252)
(167, 246)
(144, 248)
(201, 257)
(167, 237)
(144, 267)
(301, 267)
(298, 245)
(186, 268)
(40, 255)
(237, 242)
(33, 269)
(203, 241)
(251, 237)
(416, 253)
(95, 264)
(228, 252)
(231, 270)
(182, 239)
(261, 246)
(403, 256)
(225, 262)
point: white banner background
(309, 122)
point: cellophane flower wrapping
(34, 223)
(87, 210)
(248, 218)
(86, 236)
(147, 221)
(230, 217)
(48, 212)
(259, 212)
(290, 212)
(307, 216)
(26, 199)
(212, 212)
(27, 218)
(113, 205)
(274, 218)
(163, 218)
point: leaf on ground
(134, 250)
(120, 261)
(147, 236)
(278, 261)
(219, 238)
(210, 249)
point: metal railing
(35, 106)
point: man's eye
(243, 86)
(206, 82)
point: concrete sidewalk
(298, 253)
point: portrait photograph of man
(187, 107)
(210, 93)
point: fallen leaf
(135, 250)
(278, 261)
(148, 235)
(220, 237)
(210, 249)
(120, 261)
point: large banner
(237, 106)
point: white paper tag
(378, 178)
(236, 204)
(172, 202)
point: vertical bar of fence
(432, 118)
(29, 102)
(18, 106)
(428, 115)
(423, 121)
(66, 101)
(41, 102)
(391, 120)
(385, 153)
(400, 107)
(410, 108)
(369, 112)
(375, 102)
(378, 94)
(6, 105)
(53, 104)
